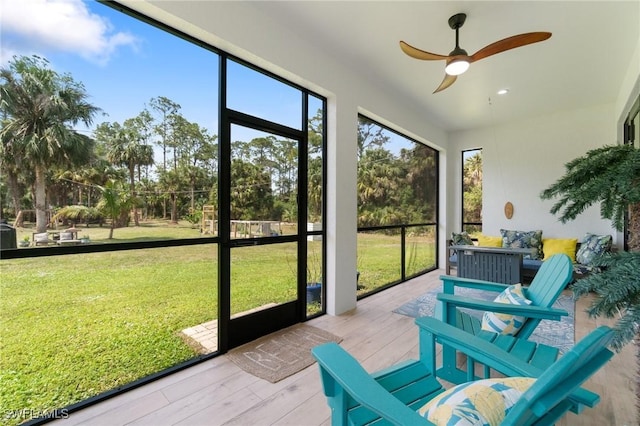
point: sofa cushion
(489, 241)
(530, 264)
(551, 246)
(482, 402)
(506, 323)
(42, 237)
(523, 239)
(592, 246)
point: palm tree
(420, 163)
(114, 204)
(472, 189)
(473, 170)
(76, 213)
(379, 177)
(143, 125)
(610, 176)
(10, 167)
(150, 198)
(124, 147)
(42, 107)
(70, 182)
(171, 182)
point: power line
(94, 186)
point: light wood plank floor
(217, 392)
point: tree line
(472, 192)
(112, 173)
(394, 188)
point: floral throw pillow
(592, 246)
(522, 239)
(461, 239)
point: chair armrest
(447, 260)
(449, 283)
(433, 330)
(528, 311)
(475, 347)
(344, 377)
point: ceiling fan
(458, 60)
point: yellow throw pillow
(551, 246)
(488, 241)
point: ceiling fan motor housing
(457, 20)
(458, 51)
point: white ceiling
(582, 64)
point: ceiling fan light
(456, 67)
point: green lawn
(151, 230)
(77, 325)
(74, 326)
(379, 260)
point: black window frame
(405, 226)
(463, 223)
(30, 252)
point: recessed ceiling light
(503, 91)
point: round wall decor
(508, 210)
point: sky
(124, 63)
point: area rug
(559, 334)
(281, 354)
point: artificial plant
(609, 176)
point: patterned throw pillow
(521, 239)
(483, 402)
(592, 246)
(461, 239)
(506, 323)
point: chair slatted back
(544, 402)
(553, 276)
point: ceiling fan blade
(448, 81)
(509, 43)
(414, 52)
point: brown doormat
(281, 354)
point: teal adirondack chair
(393, 395)
(553, 276)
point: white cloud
(64, 25)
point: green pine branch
(609, 175)
(618, 291)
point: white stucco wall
(523, 158)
